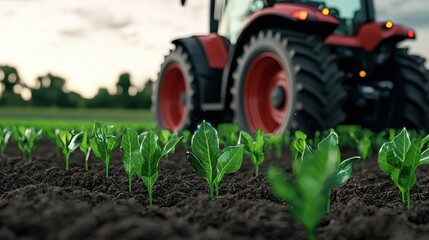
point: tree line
(49, 92)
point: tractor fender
(280, 16)
(208, 56)
(372, 34)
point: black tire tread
(413, 79)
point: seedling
(152, 154)
(364, 145)
(26, 138)
(209, 161)
(327, 149)
(85, 147)
(400, 158)
(166, 137)
(5, 135)
(186, 139)
(102, 144)
(228, 134)
(52, 134)
(316, 172)
(68, 142)
(142, 155)
(253, 148)
(274, 142)
(299, 145)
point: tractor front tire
(410, 103)
(174, 98)
(287, 80)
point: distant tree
(50, 92)
(10, 78)
(101, 100)
(123, 85)
(143, 99)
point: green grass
(75, 118)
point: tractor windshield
(235, 15)
(348, 12)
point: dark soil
(40, 200)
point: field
(46, 117)
(39, 200)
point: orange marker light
(325, 11)
(362, 74)
(300, 15)
(388, 25)
(411, 34)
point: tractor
(293, 64)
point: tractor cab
(231, 16)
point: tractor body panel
(371, 35)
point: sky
(91, 42)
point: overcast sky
(90, 42)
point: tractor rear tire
(174, 98)
(410, 103)
(287, 80)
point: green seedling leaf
(329, 145)
(345, 171)
(365, 149)
(103, 144)
(151, 155)
(387, 160)
(254, 148)
(208, 160)
(164, 137)
(424, 142)
(401, 144)
(170, 146)
(229, 162)
(132, 156)
(424, 158)
(85, 147)
(197, 165)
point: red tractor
(293, 64)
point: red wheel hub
(172, 102)
(266, 89)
